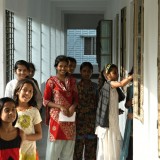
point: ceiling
(81, 6)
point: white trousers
(60, 150)
(108, 146)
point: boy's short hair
(21, 62)
(86, 64)
(71, 59)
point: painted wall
(75, 45)
(2, 48)
(39, 11)
(48, 23)
(145, 135)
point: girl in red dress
(60, 98)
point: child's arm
(37, 135)
(72, 109)
(75, 99)
(22, 135)
(115, 84)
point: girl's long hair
(18, 88)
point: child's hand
(129, 103)
(120, 111)
(130, 115)
(71, 110)
(64, 110)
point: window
(9, 45)
(89, 45)
(123, 43)
(29, 40)
(138, 59)
(104, 43)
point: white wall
(39, 11)
(145, 135)
(2, 48)
(49, 35)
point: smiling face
(21, 72)
(26, 93)
(8, 113)
(62, 68)
(71, 67)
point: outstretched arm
(115, 84)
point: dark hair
(21, 62)
(101, 80)
(31, 65)
(60, 58)
(86, 64)
(107, 69)
(2, 102)
(71, 59)
(131, 71)
(19, 86)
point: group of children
(93, 134)
(20, 119)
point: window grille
(9, 46)
(29, 39)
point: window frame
(29, 39)
(9, 45)
(92, 49)
(138, 111)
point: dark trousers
(130, 149)
(90, 146)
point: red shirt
(65, 94)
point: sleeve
(8, 90)
(47, 97)
(75, 91)
(129, 93)
(37, 117)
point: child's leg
(53, 150)
(90, 149)
(78, 150)
(67, 150)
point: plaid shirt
(102, 115)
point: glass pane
(106, 30)
(106, 46)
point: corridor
(36, 31)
